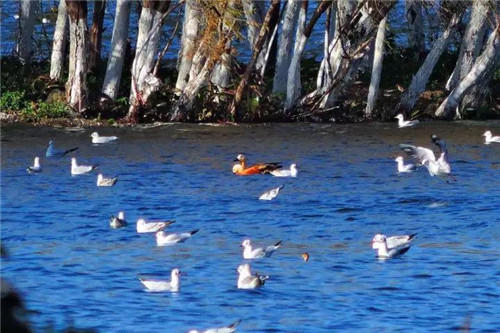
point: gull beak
(236, 160)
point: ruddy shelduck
(242, 170)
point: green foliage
(12, 101)
(42, 110)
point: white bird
(16, 17)
(248, 281)
(436, 166)
(45, 20)
(489, 138)
(271, 194)
(163, 285)
(143, 226)
(286, 173)
(260, 252)
(163, 239)
(96, 138)
(101, 181)
(117, 221)
(35, 168)
(81, 169)
(227, 329)
(405, 123)
(390, 247)
(404, 167)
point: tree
(59, 43)
(27, 23)
(416, 35)
(96, 32)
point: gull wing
(421, 154)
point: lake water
(72, 268)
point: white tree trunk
(472, 42)
(27, 23)
(118, 47)
(324, 73)
(59, 44)
(482, 66)
(378, 59)
(76, 86)
(416, 36)
(285, 46)
(188, 43)
(255, 12)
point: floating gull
(101, 181)
(227, 329)
(271, 194)
(286, 173)
(53, 152)
(489, 138)
(248, 281)
(390, 247)
(102, 139)
(16, 17)
(404, 167)
(437, 167)
(143, 226)
(163, 285)
(260, 252)
(163, 239)
(35, 168)
(256, 169)
(405, 123)
(80, 169)
(117, 221)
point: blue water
(71, 268)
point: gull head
(73, 161)
(141, 221)
(399, 116)
(488, 134)
(377, 240)
(246, 243)
(121, 215)
(51, 143)
(36, 163)
(244, 269)
(176, 273)
(399, 159)
(293, 166)
(99, 177)
(94, 135)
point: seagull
(286, 173)
(81, 169)
(162, 285)
(16, 17)
(102, 139)
(404, 167)
(143, 226)
(248, 281)
(101, 181)
(271, 194)
(117, 222)
(436, 166)
(53, 152)
(489, 138)
(241, 168)
(35, 168)
(163, 239)
(227, 329)
(260, 252)
(390, 247)
(405, 123)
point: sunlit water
(71, 268)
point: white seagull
(81, 169)
(271, 194)
(260, 252)
(489, 138)
(101, 181)
(436, 166)
(286, 173)
(163, 285)
(405, 123)
(102, 139)
(117, 221)
(248, 281)
(144, 227)
(227, 329)
(404, 167)
(35, 168)
(390, 247)
(164, 239)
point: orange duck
(256, 169)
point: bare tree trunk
(285, 46)
(118, 49)
(188, 43)
(378, 59)
(59, 44)
(96, 32)
(483, 65)
(324, 73)
(419, 81)
(254, 12)
(416, 35)
(27, 23)
(76, 86)
(471, 43)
